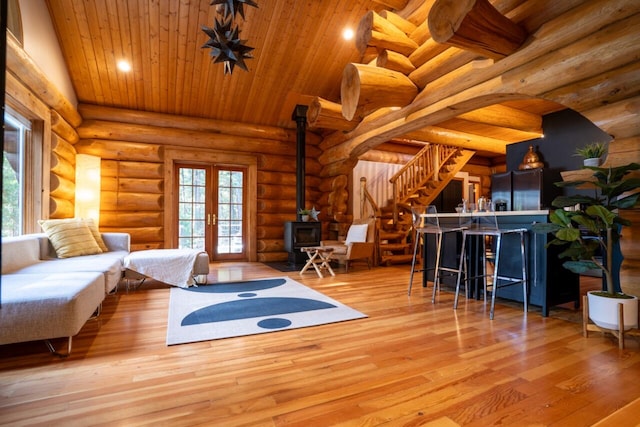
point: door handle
(211, 219)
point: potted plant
(594, 225)
(592, 153)
(304, 214)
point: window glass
(16, 132)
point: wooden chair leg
(585, 316)
(620, 326)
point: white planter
(304, 218)
(592, 162)
(603, 311)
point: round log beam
(161, 120)
(62, 167)
(125, 169)
(61, 188)
(374, 30)
(270, 232)
(328, 115)
(475, 25)
(131, 219)
(116, 201)
(63, 149)
(272, 205)
(271, 245)
(60, 208)
(132, 185)
(62, 128)
(369, 88)
(398, 21)
(394, 61)
(121, 150)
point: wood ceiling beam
(475, 25)
(500, 115)
(439, 135)
(497, 132)
(606, 88)
(20, 64)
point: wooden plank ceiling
(299, 54)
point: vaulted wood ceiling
(299, 54)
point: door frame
(172, 156)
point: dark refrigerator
(524, 190)
(501, 191)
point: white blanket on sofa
(171, 266)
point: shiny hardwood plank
(410, 362)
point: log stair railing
(419, 182)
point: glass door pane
(230, 213)
(192, 207)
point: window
(17, 133)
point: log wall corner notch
(475, 25)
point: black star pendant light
(225, 43)
(232, 7)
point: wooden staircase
(418, 183)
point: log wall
(132, 146)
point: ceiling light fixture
(225, 43)
(124, 66)
(232, 7)
(347, 34)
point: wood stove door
(211, 210)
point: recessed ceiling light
(124, 66)
(347, 34)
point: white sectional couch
(46, 297)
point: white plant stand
(619, 333)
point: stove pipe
(300, 116)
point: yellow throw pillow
(96, 234)
(70, 237)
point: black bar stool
(430, 224)
(487, 226)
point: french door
(211, 211)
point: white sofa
(46, 297)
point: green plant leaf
(568, 234)
(587, 222)
(569, 201)
(580, 266)
(545, 227)
(605, 215)
(626, 202)
(560, 217)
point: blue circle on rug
(247, 295)
(274, 323)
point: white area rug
(249, 307)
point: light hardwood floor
(409, 363)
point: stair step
(390, 235)
(394, 246)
